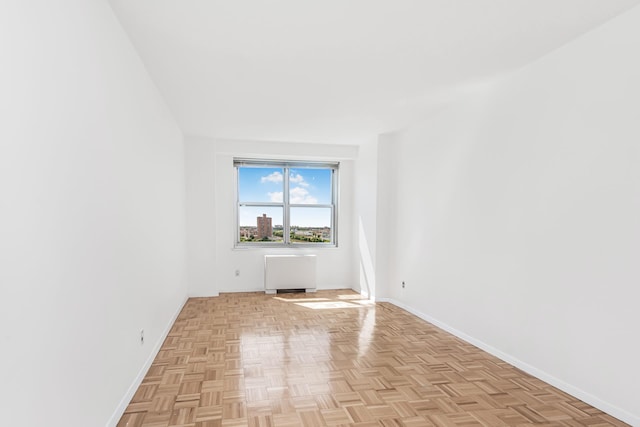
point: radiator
(289, 272)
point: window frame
(286, 206)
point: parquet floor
(334, 359)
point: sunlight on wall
(367, 271)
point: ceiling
(338, 71)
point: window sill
(295, 247)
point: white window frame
(287, 165)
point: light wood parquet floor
(332, 358)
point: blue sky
(306, 186)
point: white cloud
(298, 179)
(276, 196)
(299, 195)
(272, 177)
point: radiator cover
(289, 272)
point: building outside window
(265, 228)
(285, 203)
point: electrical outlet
(237, 273)
(403, 285)
(141, 336)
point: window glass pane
(310, 186)
(307, 212)
(310, 225)
(260, 224)
(260, 184)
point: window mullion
(237, 204)
(334, 211)
(260, 204)
(285, 215)
(309, 205)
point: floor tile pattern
(332, 358)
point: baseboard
(336, 287)
(247, 290)
(362, 292)
(243, 290)
(202, 295)
(124, 402)
(592, 400)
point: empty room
(319, 213)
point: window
(282, 203)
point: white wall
(92, 239)
(517, 218)
(365, 218)
(201, 217)
(214, 200)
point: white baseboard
(202, 295)
(334, 287)
(124, 402)
(363, 293)
(240, 290)
(592, 400)
(245, 290)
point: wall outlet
(141, 336)
(403, 285)
(237, 273)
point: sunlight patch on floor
(300, 299)
(327, 305)
(350, 296)
(365, 302)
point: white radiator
(289, 272)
